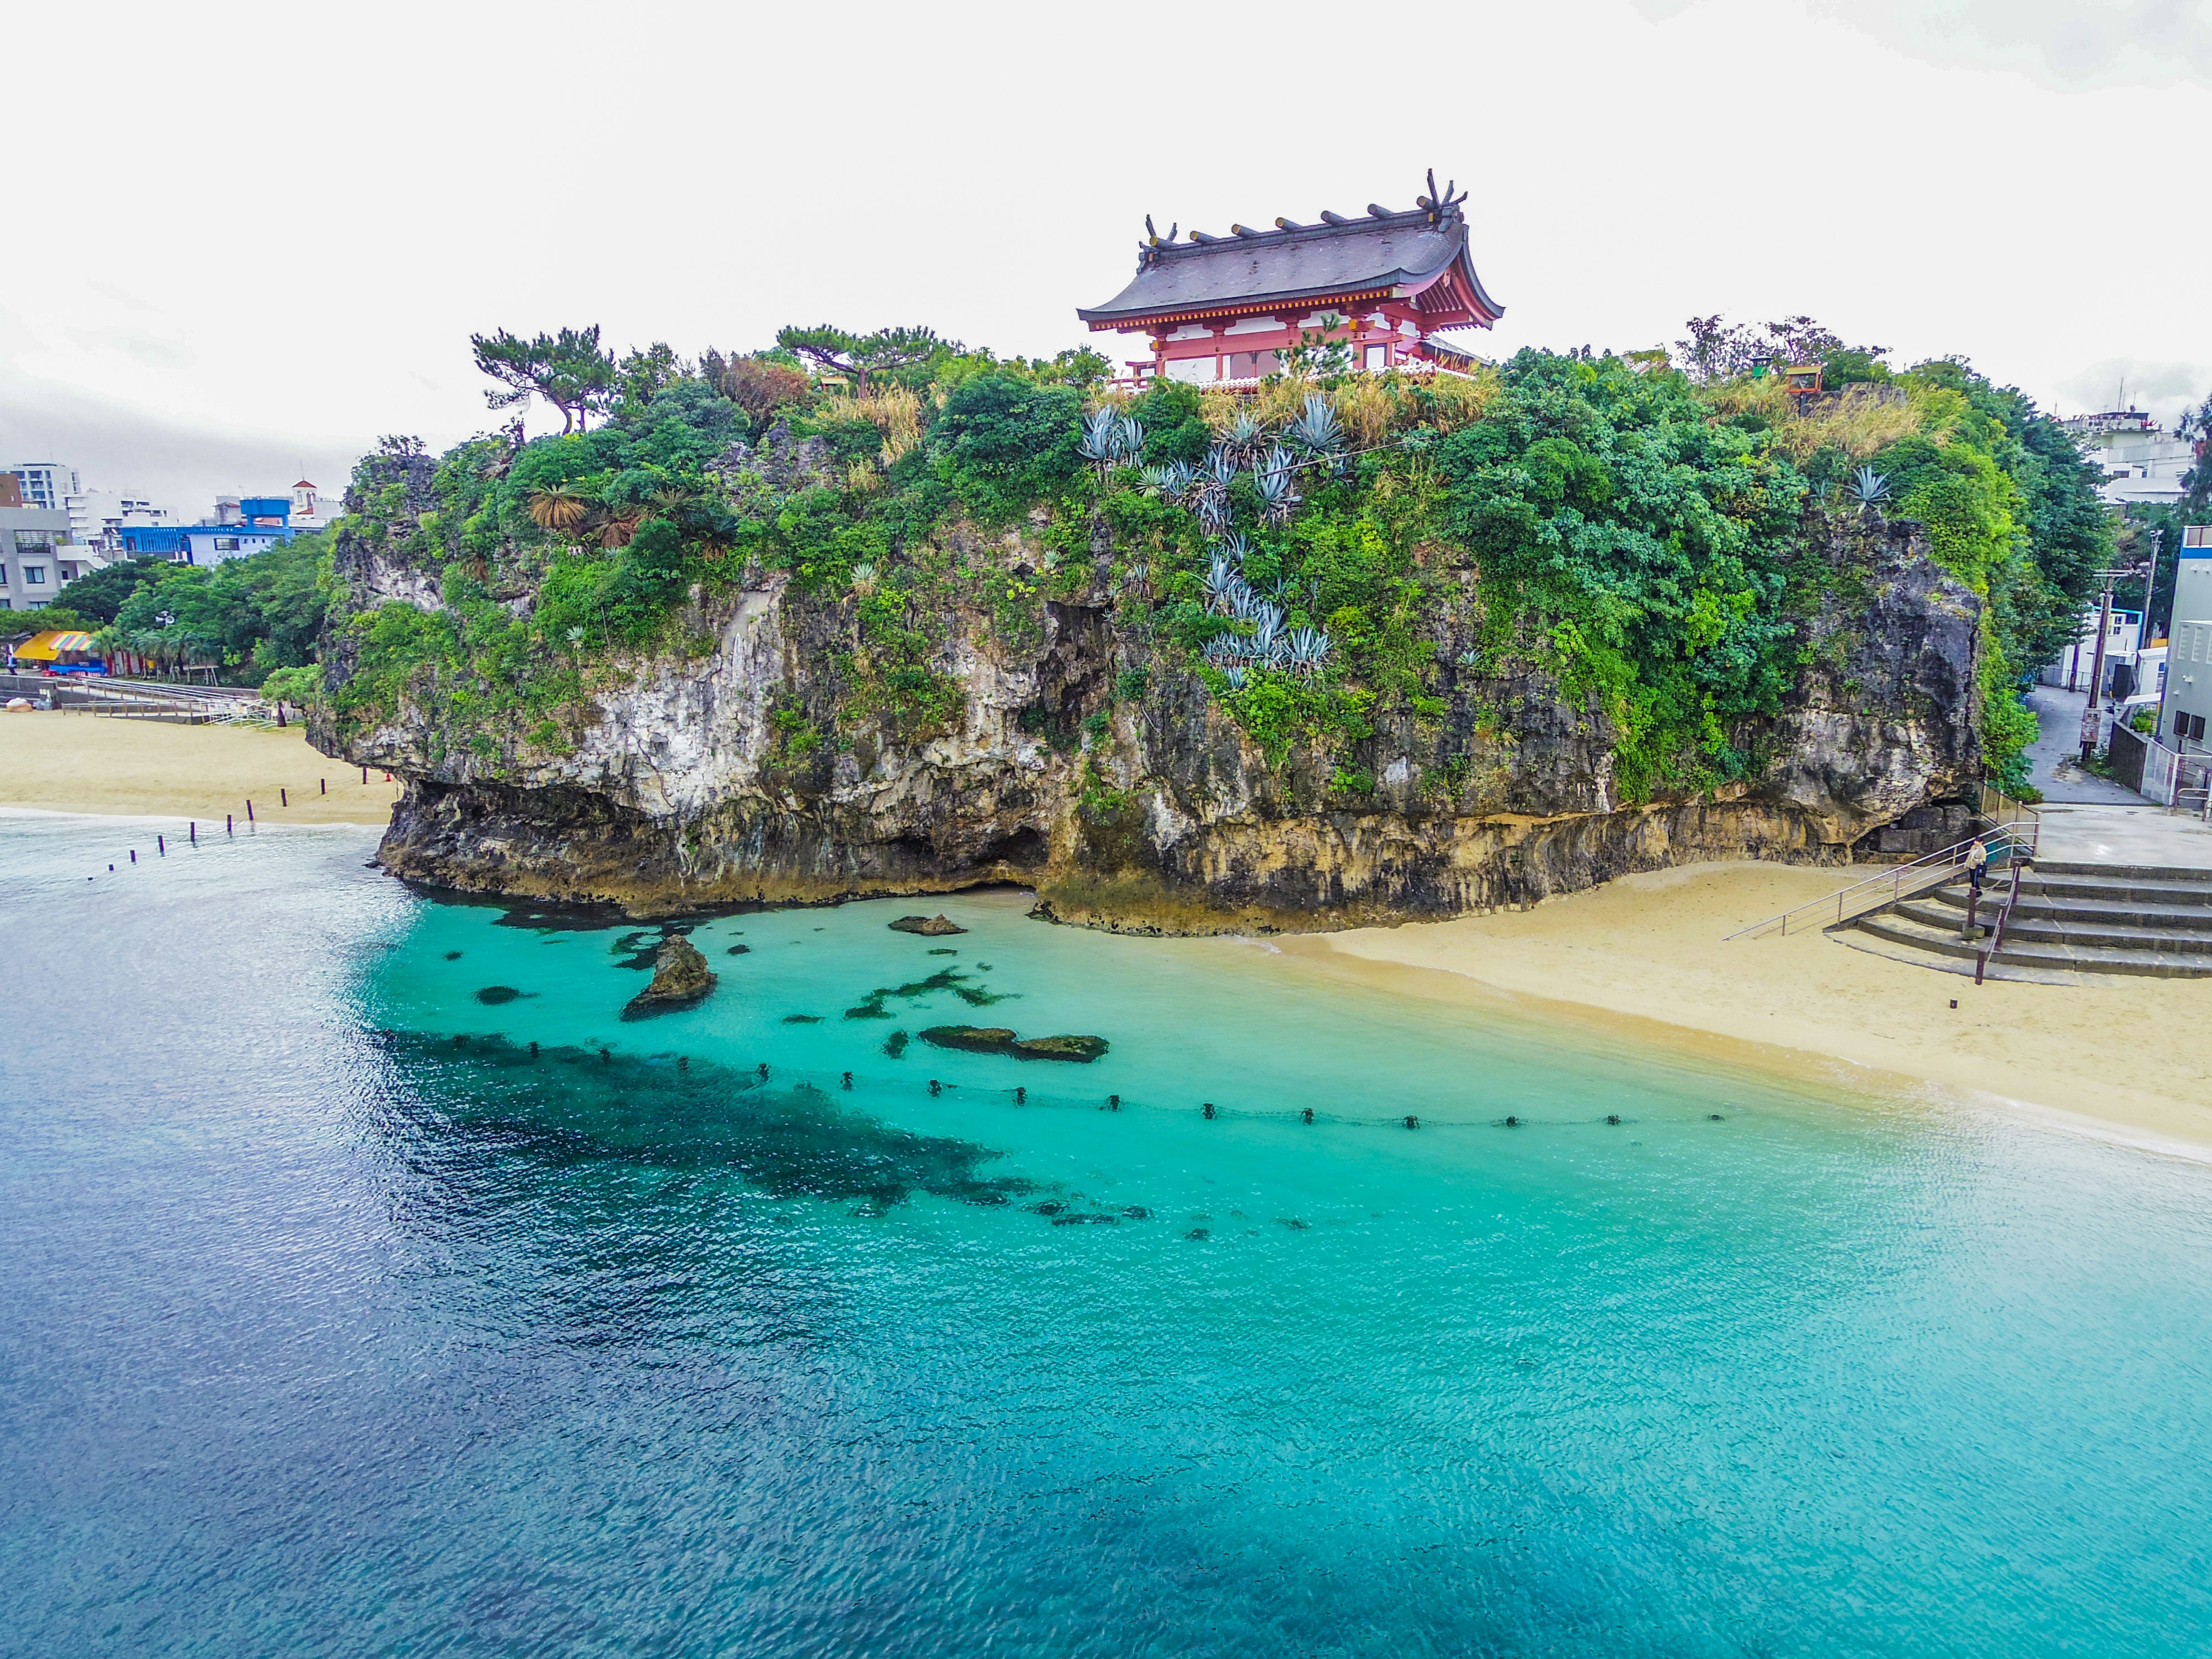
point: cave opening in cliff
(1024, 848)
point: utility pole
(2097, 670)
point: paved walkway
(2053, 757)
(2092, 820)
(2142, 835)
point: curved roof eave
(1415, 280)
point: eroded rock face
(927, 926)
(681, 979)
(673, 793)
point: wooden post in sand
(326, 782)
(283, 797)
(229, 827)
(249, 812)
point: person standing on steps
(1978, 863)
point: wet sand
(2111, 1056)
(74, 763)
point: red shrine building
(1229, 307)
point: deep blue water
(323, 1332)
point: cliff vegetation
(883, 613)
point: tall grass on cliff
(1632, 534)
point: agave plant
(1220, 577)
(1309, 649)
(1469, 658)
(1238, 546)
(1128, 441)
(1213, 515)
(1138, 575)
(1246, 439)
(558, 506)
(1177, 478)
(1268, 639)
(1820, 492)
(863, 578)
(1236, 674)
(1279, 493)
(1316, 430)
(1101, 444)
(1872, 488)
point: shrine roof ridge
(1408, 249)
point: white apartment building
(34, 554)
(46, 485)
(2142, 462)
(96, 517)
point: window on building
(225, 544)
(1378, 357)
(3, 575)
(34, 575)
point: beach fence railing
(126, 699)
(1891, 886)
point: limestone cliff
(677, 785)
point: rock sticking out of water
(933, 926)
(998, 1040)
(681, 978)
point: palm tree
(558, 507)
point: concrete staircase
(2070, 919)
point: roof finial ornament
(1149, 250)
(1440, 208)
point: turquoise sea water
(335, 1321)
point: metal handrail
(1997, 933)
(1889, 888)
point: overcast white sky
(247, 238)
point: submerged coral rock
(977, 1039)
(1082, 1048)
(680, 979)
(998, 1040)
(933, 926)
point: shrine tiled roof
(1380, 252)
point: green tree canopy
(566, 369)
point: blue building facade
(262, 522)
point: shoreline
(1642, 957)
(102, 766)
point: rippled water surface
(335, 1320)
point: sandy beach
(2111, 1056)
(75, 762)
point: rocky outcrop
(681, 979)
(1151, 811)
(928, 927)
(999, 1040)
